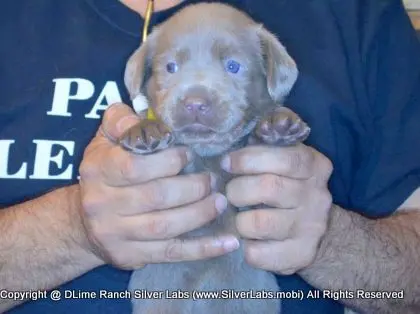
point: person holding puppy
(346, 214)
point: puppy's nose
(196, 105)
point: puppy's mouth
(196, 128)
(198, 133)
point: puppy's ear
(280, 68)
(139, 68)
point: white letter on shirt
(4, 161)
(60, 105)
(44, 158)
(110, 94)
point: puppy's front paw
(146, 137)
(281, 127)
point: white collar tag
(140, 103)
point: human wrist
(78, 231)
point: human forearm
(370, 255)
(43, 243)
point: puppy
(216, 81)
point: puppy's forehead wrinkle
(182, 55)
(206, 43)
(188, 29)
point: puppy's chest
(224, 223)
(210, 164)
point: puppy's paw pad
(282, 127)
(146, 137)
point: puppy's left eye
(171, 67)
(232, 66)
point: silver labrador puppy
(216, 81)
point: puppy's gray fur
(244, 107)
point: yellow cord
(149, 12)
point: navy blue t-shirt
(62, 62)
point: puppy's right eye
(171, 67)
(232, 66)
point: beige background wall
(413, 8)
(412, 4)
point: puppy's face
(209, 73)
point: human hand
(293, 180)
(125, 198)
